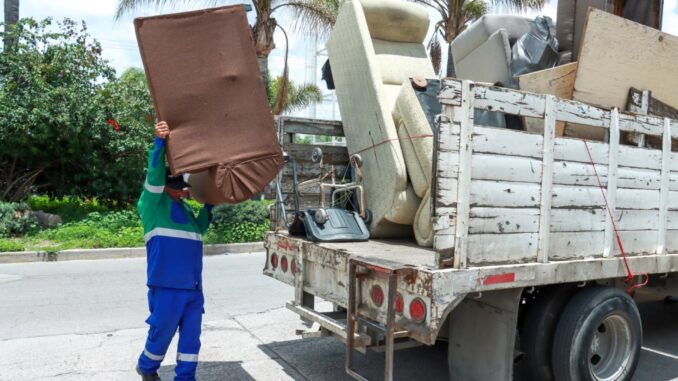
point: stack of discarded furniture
(382, 78)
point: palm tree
(298, 96)
(456, 15)
(11, 18)
(309, 16)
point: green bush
(246, 232)
(97, 230)
(10, 245)
(16, 219)
(248, 212)
(71, 208)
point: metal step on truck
(539, 245)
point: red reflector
(283, 264)
(418, 310)
(500, 278)
(399, 303)
(274, 260)
(377, 295)
(294, 267)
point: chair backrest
(375, 46)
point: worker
(173, 238)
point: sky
(120, 47)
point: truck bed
(401, 252)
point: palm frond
(474, 9)
(313, 16)
(435, 52)
(518, 5)
(302, 96)
(283, 82)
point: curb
(117, 253)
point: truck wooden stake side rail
(526, 278)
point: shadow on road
(212, 371)
(323, 359)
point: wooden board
(558, 81)
(618, 54)
(333, 157)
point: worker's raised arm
(154, 185)
(205, 217)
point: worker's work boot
(148, 377)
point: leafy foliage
(67, 125)
(247, 232)
(90, 224)
(252, 212)
(71, 208)
(10, 245)
(298, 96)
(97, 230)
(16, 219)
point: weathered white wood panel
(507, 142)
(486, 249)
(522, 169)
(526, 220)
(464, 116)
(611, 195)
(546, 180)
(525, 195)
(665, 188)
(532, 105)
(495, 205)
(503, 220)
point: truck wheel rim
(610, 349)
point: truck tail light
(274, 261)
(399, 303)
(377, 295)
(294, 266)
(283, 264)
(418, 310)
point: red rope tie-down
(393, 140)
(630, 275)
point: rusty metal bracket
(359, 269)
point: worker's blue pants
(171, 309)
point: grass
(89, 224)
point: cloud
(70, 8)
(670, 19)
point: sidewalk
(114, 253)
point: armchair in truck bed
(377, 45)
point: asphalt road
(84, 320)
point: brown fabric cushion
(205, 82)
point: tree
(297, 97)
(67, 125)
(456, 15)
(310, 15)
(11, 17)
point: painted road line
(661, 353)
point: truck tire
(537, 331)
(598, 337)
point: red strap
(392, 140)
(630, 275)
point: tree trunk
(263, 70)
(11, 18)
(262, 33)
(450, 72)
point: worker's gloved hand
(162, 130)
